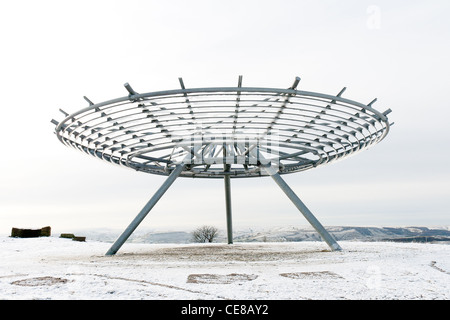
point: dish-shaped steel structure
(224, 132)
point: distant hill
(342, 233)
(286, 234)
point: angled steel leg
(150, 204)
(302, 208)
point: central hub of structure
(224, 132)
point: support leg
(228, 206)
(303, 209)
(150, 204)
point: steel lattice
(223, 130)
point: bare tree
(205, 234)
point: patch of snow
(56, 268)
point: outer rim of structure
(220, 89)
(135, 98)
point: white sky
(54, 52)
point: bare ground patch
(220, 253)
(39, 281)
(220, 278)
(311, 275)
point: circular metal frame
(223, 131)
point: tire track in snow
(433, 265)
(152, 283)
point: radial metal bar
(150, 204)
(328, 238)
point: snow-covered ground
(55, 268)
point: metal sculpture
(224, 132)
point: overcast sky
(55, 52)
